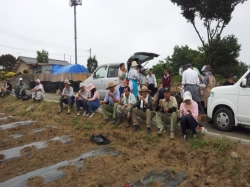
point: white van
(228, 105)
(109, 72)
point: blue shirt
(109, 100)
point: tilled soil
(206, 161)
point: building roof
(33, 62)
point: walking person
(110, 102)
(188, 115)
(190, 81)
(122, 78)
(167, 113)
(91, 103)
(80, 97)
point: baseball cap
(20, 79)
(166, 89)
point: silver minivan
(109, 72)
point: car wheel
(223, 119)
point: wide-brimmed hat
(81, 85)
(91, 87)
(206, 68)
(111, 84)
(134, 63)
(38, 80)
(187, 96)
(20, 79)
(67, 81)
(144, 89)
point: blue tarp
(76, 68)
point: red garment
(166, 81)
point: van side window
(113, 72)
(101, 72)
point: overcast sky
(113, 29)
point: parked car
(228, 105)
(109, 72)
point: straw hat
(187, 96)
(81, 85)
(134, 63)
(111, 84)
(91, 87)
(144, 89)
(66, 81)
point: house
(34, 67)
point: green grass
(78, 127)
(88, 125)
(75, 121)
(12, 109)
(23, 113)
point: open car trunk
(140, 58)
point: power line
(34, 41)
(35, 51)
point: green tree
(215, 14)
(225, 53)
(92, 64)
(159, 68)
(7, 61)
(42, 56)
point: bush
(10, 74)
(25, 71)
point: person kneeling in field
(189, 115)
(7, 88)
(81, 95)
(110, 102)
(126, 101)
(92, 103)
(144, 108)
(167, 113)
(67, 97)
(38, 91)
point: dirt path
(205, 161)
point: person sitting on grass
(110, 102)
(7, 88)
(167, 113)
(21, 89)
(188, 115)
(38, 91)
(142, 108)
(91, 103)
(80, 97)
(67, 97)
(126, 101)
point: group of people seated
(116, 104)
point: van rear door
(243, 115)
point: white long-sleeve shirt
(151, 79)
(190, 76)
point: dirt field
(205, 161)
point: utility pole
(75, 3)
(89, 52)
